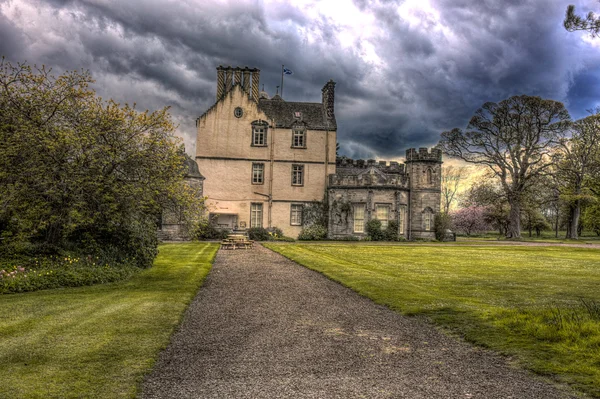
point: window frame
(354, 218)
(402, 219)
(259, 211)
(298, 222)
(262, 174)
(302, 133)
(299, 172)
(265, 133)
(387, 221)
(427, 219)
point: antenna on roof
(277, 91)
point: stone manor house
(262, 160)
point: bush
(441, 223)
(313, 233)
(59, 271)
(208, 231)
(373, 230)
(391, 232)
(258, 234)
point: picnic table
(234, 241)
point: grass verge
(538, 304)
(98, 341)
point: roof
(283, 112)
(191, 168)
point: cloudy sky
(406, 70)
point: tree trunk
(574, 213)
(514, 219)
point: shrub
(373, 230)
(59, 271)
(313, 233)
(391, 232)
(207, 230)
(258, 234)
(441, 223)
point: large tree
(579, 164)
(80, 172)
(573, 22)
(515, 139)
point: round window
(238, 112)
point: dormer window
(259, 134)
(298, 138)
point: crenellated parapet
(386, 167)
(423, 154)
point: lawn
(98, 341)
(541, 304)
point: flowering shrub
(470, 220)
(59, 271)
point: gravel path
(265, 327)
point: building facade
(265, 159)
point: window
(401, 217)
(259, 136)
(296, 215)
(238, 112)
(359, 218)
(297, 175)
(427, 219)
(383, 215)
(429, 176)
(258, 173)
(299, 138)
(256, 216)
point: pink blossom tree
(470, 220)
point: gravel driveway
(265, 327)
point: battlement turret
(433, 155)
(387, 167)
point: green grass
(540, 305)
(98, 341)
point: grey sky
(405, 70)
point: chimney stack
(220, 82)
(238, 76)
(255, 80)
(246, 80)
(328, 98)
(228, 79)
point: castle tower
(424, 169)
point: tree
(487, 194)
(515, 139)
(574, 22)
(579, 162)
(470, 220)
(79, 172)
(452, 176)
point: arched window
(428, 219)
(429, 176)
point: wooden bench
(234, 241)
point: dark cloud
(421, 72)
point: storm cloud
(405, 70)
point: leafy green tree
(82, 173)
(515, 139)
(579, 163)
(573, 22)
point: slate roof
(192, 170)
(312, 114)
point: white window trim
(298, 222)
(355, 207)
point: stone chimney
(246, 80)
(238, 76)
(328, 98)
(255, 82)
(220, 82)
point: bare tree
(452, 177)
(515, 139)
(573, 22)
